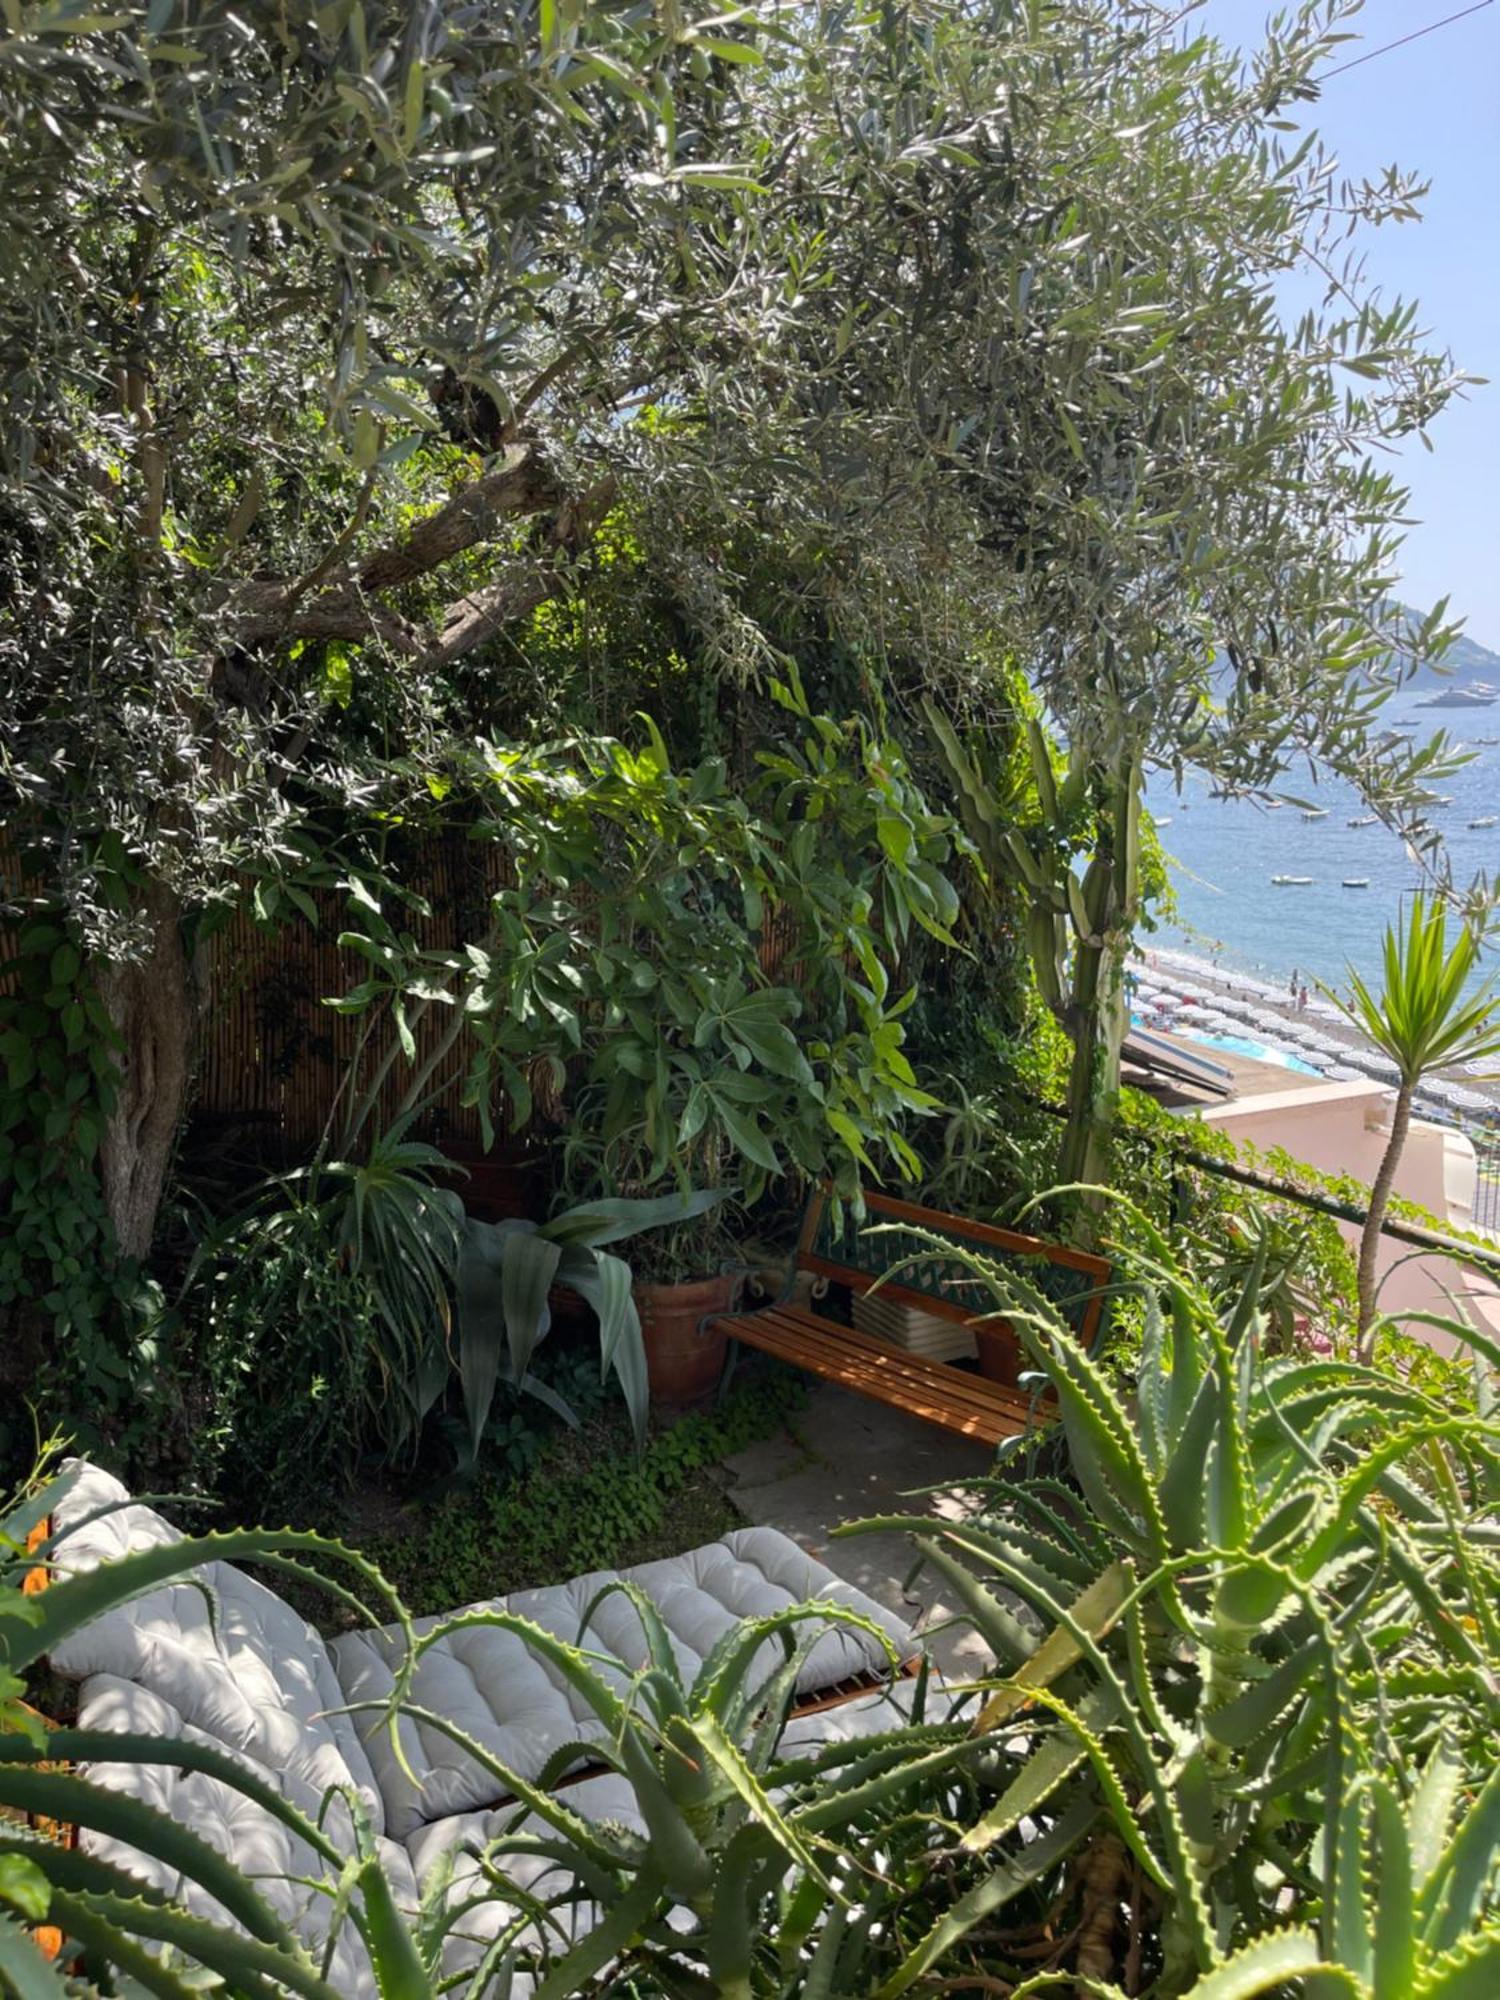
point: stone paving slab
(844, 1457)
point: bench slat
(932, 1390)
(824, 1335)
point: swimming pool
(1246, 1045)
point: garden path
(843, 1458)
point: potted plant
(505, 1278)
(685, 1273)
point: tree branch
(520, 484)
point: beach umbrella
(1469, 1100)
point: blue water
(1246, 1045)
(1224, 852)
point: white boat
(1291, 881)
(1365, 819)
(1356, 881)
(1487, 819)
(1316, 812)
(1161, 820)
(1479, 694)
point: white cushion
(281, 1865)
(231, 1657)
(606, 1797)
(522, 1710)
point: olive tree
(330, 335)
(1028, 375)
(314, 321)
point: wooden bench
(834, 1246)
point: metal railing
(1486, 1144)
(1187, 1159)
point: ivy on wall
(76, 1312)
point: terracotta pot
(498, 1186)
(998, 1352)
(683, 1366)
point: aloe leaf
(1430, 1813)
(1093, 1611)
(1454, 1893)
(249, 1966)
(660, 1651)
(728, 1761)
(1346, 1922)
(1261, 1967)
(25, 1974)
(81, 1746)
(991, 1893)
(551, 1808)
(1394, 1910)
(1053, 1760)
(1240, 1721)
(79, 1597)
(61, 1795)
(613, 1934)
(1471, 1971)
(730, 1935)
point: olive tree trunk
(152, 1000)
(1369, 1241)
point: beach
(1215, 1004)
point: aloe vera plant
(99, 1910)
(1257, 1625)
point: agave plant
(1268, 1588)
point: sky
(1432, 107)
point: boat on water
(1356, 881)
(1161, 819)
(1316, 812)
(1487, 819)
(1478, 694)
(1365, 819)
(1291, 881)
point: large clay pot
(998, 1352)
(497, 1186)
(683, 1366)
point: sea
(1225, 852)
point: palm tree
(1423, 1022)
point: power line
(1416, 36)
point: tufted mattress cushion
(521, 1710)
(283, 1867)
(458, 1841)
(227, 1655)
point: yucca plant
(1423, 1019)
(1268, 1586)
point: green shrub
(571, 1501)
